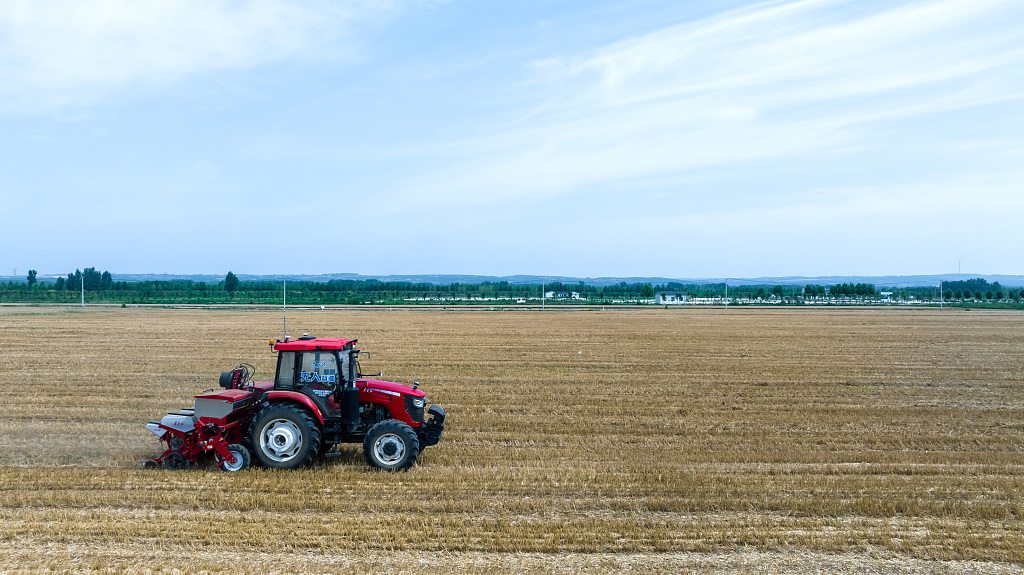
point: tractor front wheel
(284, 437)
(391, 445)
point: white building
(669, 298)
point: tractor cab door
(285, 378)
(318, 377)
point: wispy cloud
(777, 80)
(60, 53)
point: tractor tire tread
(252, 440)
(399, 428)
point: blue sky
(643, 138)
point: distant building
(669, 298)
(562, 295)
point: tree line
(100, 287)
(88, 279)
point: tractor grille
(416, 413)
(375, 414)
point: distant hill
(446, 279)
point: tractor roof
(312, 344)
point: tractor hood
(389, 387)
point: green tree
(231, 282)
(93, 279)
(31, 278)
(648, 291)
(813, 290)
(777, 290)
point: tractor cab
(321, 368)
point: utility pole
(83, 290)
(940, 294)
(727, 293)
(284, 306)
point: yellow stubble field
(747, 440)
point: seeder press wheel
(175, 461)
(242, 459)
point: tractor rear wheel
(241, 459)
(284, 436)
(391, 445)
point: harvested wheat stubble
(661, 440)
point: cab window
(286, 370)
(345, 355)
(319, 367)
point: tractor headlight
(414, 407)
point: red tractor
(318, 399)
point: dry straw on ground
(582, 441)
